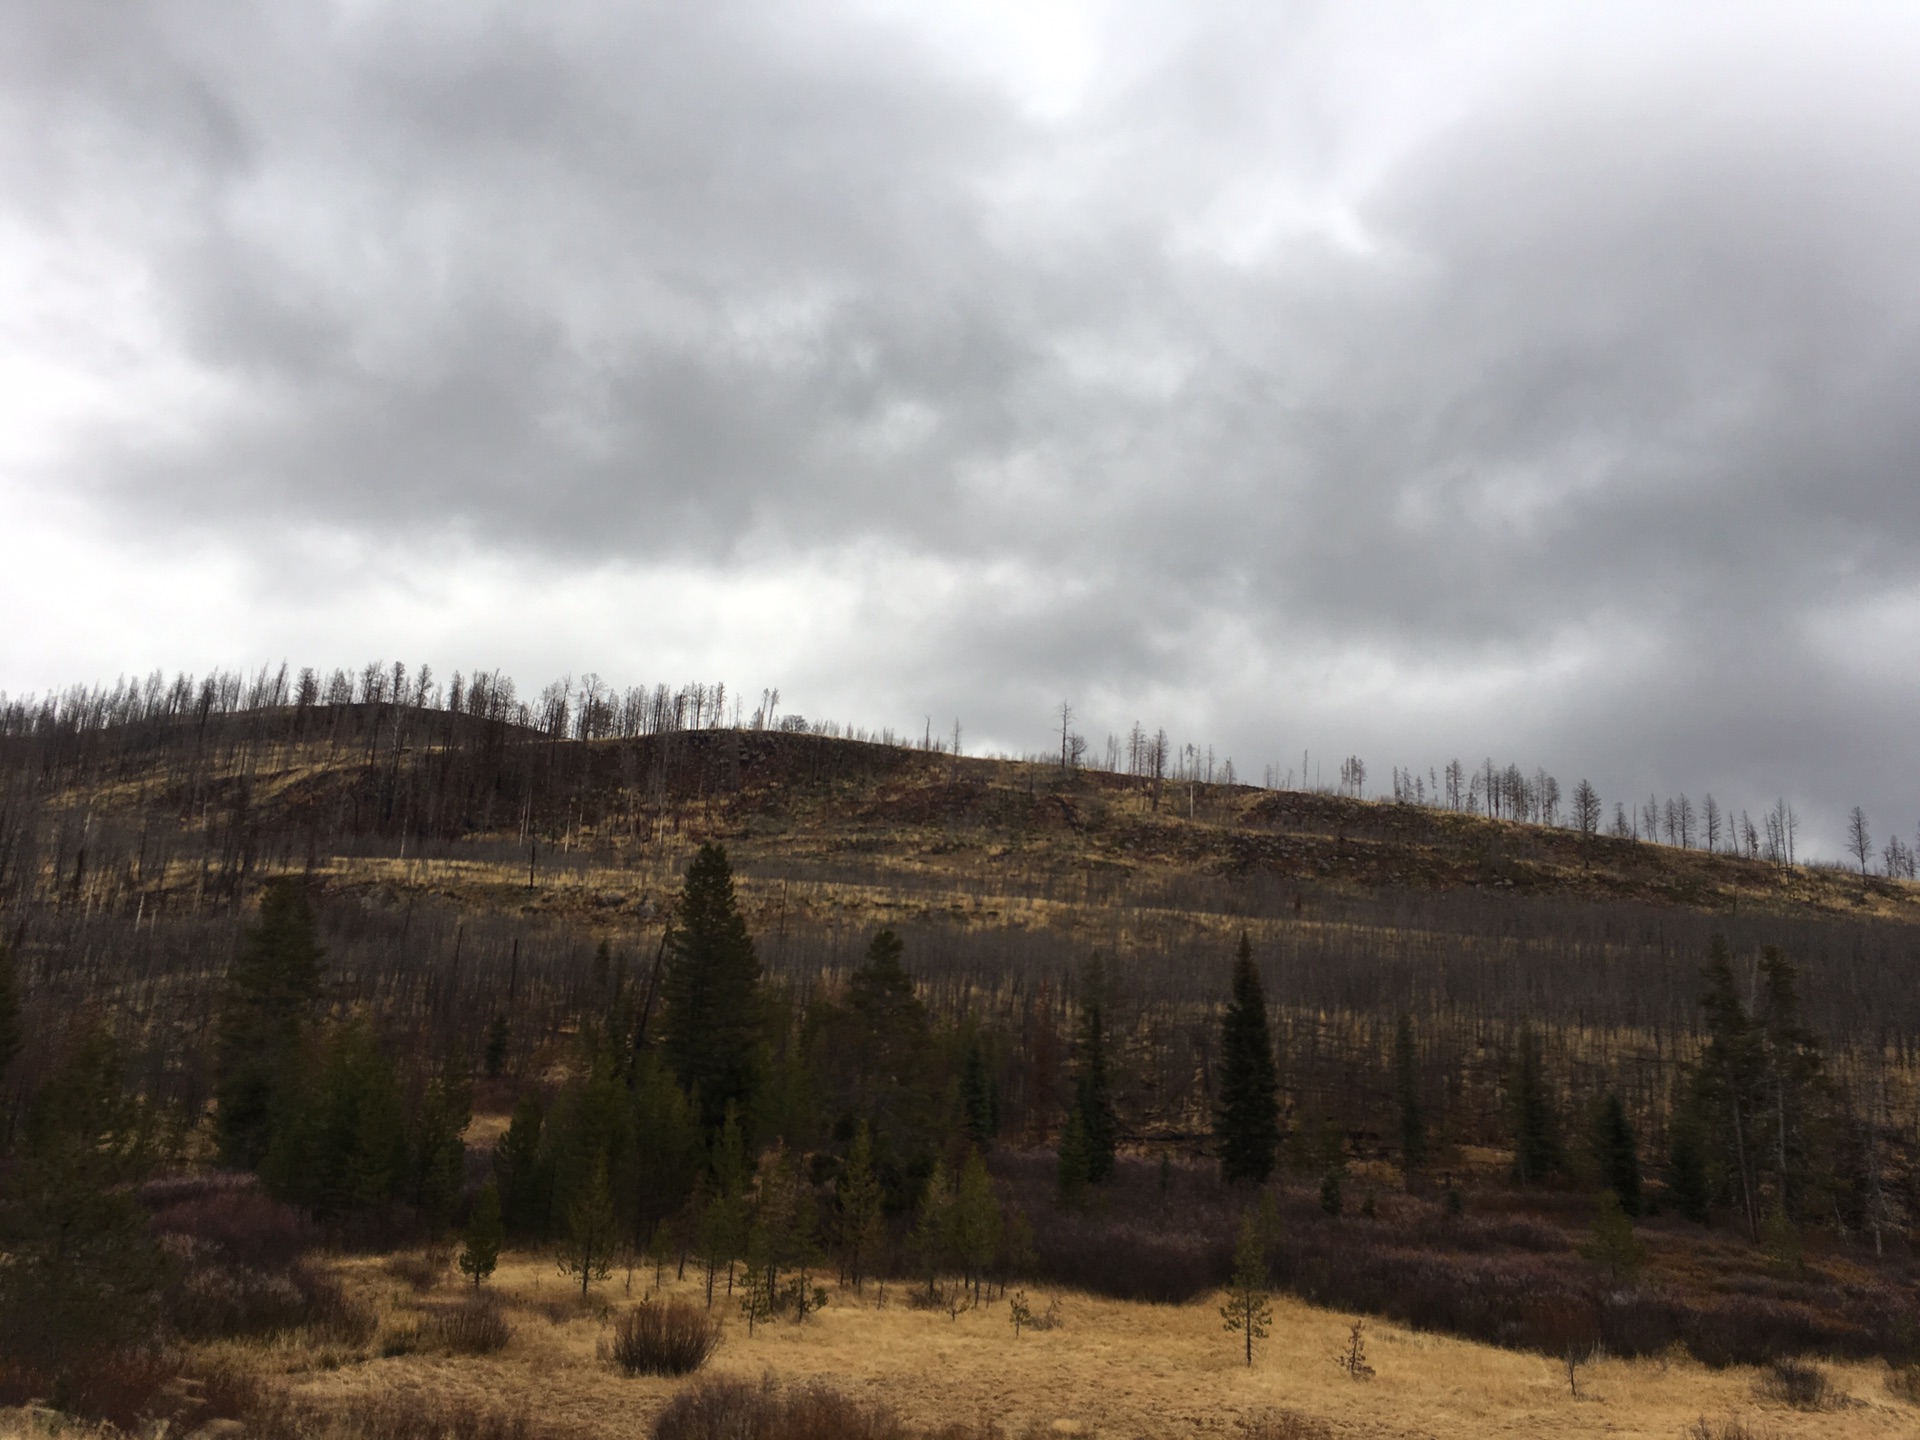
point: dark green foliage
(1406, 1095)
(1093, 1094)
(1072, 1162)
(1612, 1245)
(499, 1038)
(1794, 1091)
(1333, 1193)
(79, 1269)
(437, 1153)
(526, 1185)
(711, 986)
(484, 1235)
(271, 991)
(666, 1147)
(587, 1251)
(977, 1116)
(859, 1225)
(872, 1054)
(1616, 1153)
(1247, 1118)
(1535, 1115)
(1687, 1180)
(343, 1149)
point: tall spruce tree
(1406, 1094)
(1616, 1153)
(1536, 1118)
(79, 1269)
(976, 1096)
(272, 988)
(711, 986)
(1727, 1088)
(1247, 1120)
(1093, 1093)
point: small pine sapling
(485, 1233)
(1246, 1310)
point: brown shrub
(422, 1271)
(1705, 1429)
(671, 1337)
(1285, 1425)
(395, 1415)
(1795, 1383)
(734, 1410)
(474, 1327)
(124, 1388)
(1904, 1381)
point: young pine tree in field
(485, 1233)
(1612, 1245)
(859, 1221)
(1246, 1311)
(977, 1222)
(591, 1232)
(933, 1232)
(1616, 1153)
(711, 986)
(272, 989)
(1406, 1094)
(525, 1183)
(1247, 1121)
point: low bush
(1795, 1383)
(1903, 1381)
(1284, 1425)
(735, 1410)
(121, 1387)
(1705, 1429)
(474, 1327)
(670, 1337)
(422, 1271)
(394, 1415)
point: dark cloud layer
(1321, 376)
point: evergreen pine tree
(933, 1232)
(438, 1159)
(80, 1269)
(1536, 1121)
(1616, 1153)
(1406, 1094)
(858, 1198)
(1612, 1245)
(1071, 1163)
(1687, 1178)
(591, 1228)
(977, 1222)
(976, 1095)
(499, 1039)
(1247, 1121)
(484, 1236)
(711, 987)
(525, 1190)
(271, 991)
(1246, 1309)
(1093, 1095)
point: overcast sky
(1410, 381)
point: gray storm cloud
(1331, 376)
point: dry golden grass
(1111, 1369)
